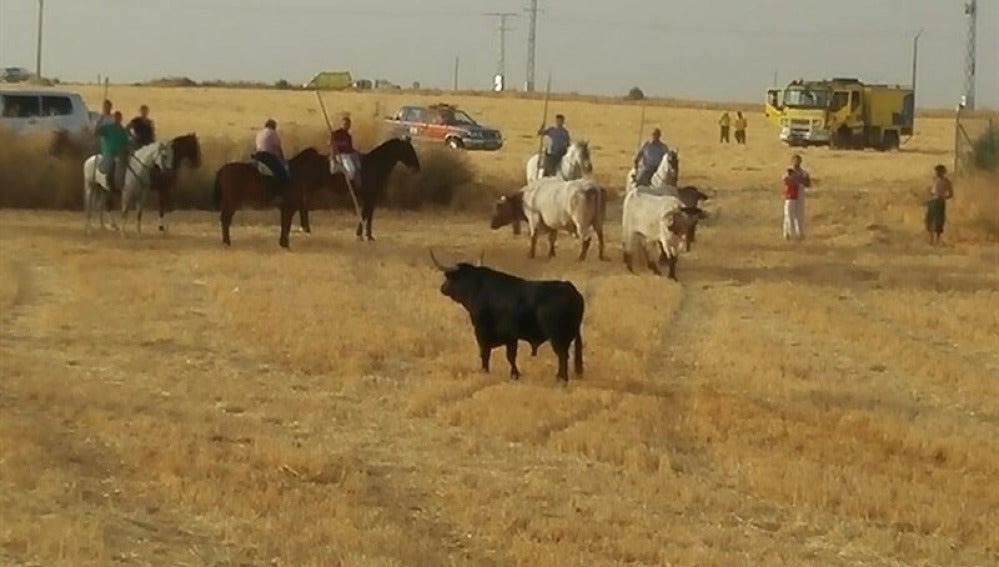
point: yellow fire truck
(843, 113)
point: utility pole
(971, 11)
(532, 34)
(499, 81)
(915, 57)
(455, 87)
(38, 48)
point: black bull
(505, 309)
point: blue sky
(724, 50)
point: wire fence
(976, 142)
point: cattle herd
(505, 309)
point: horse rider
(343, 157)
(141, 128)
(648, 158)
(267, 150)
(557, 142)
(113, 148)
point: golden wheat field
(166, 401)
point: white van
(27, 111)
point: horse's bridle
(128, 165)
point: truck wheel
(890, 141)
(454, 143)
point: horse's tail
(217, 192)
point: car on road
(33, 111)
(16, 74)
(443, 123)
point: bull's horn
(481, 257)
(436, 263)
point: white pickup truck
(33, 111)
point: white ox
(550, 205)
(575, 164)
(661, 219)
(690, 198)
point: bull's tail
(577, 355)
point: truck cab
(841, 112)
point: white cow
(656, 218)
(690, 197)
(575, 164)
(550, 205)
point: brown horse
(376, 166)
(239, 183)
(185, 148)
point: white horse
(138, 179)
(574, 165)
(668, 172)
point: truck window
(773, 98)
(20, 106)
(839, 100)
(56, 106)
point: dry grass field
(165, 401)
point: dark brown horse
(185, 148)
(376, 166)
(241, 183)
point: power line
(501, 56)
(971, 11)
(38, 48)
(532, 34)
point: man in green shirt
(114, 148)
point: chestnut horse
(376, 166)
(238, 183)
(185, 148)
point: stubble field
(165, 401)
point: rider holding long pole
(344, 154)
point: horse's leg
(370, 214)
(227, 208)
(138, 212)
(287, 213)
(163, 202)
(87, 208)
(303, 219)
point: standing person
(105, 117)
(740, 128)
(723, 122)
(142, 129)
(796, 179)
(648, 158)
(113, 149)
(343, 156)
(268, 150)
(936, 207)
(557, 142)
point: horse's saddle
(262, 167)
